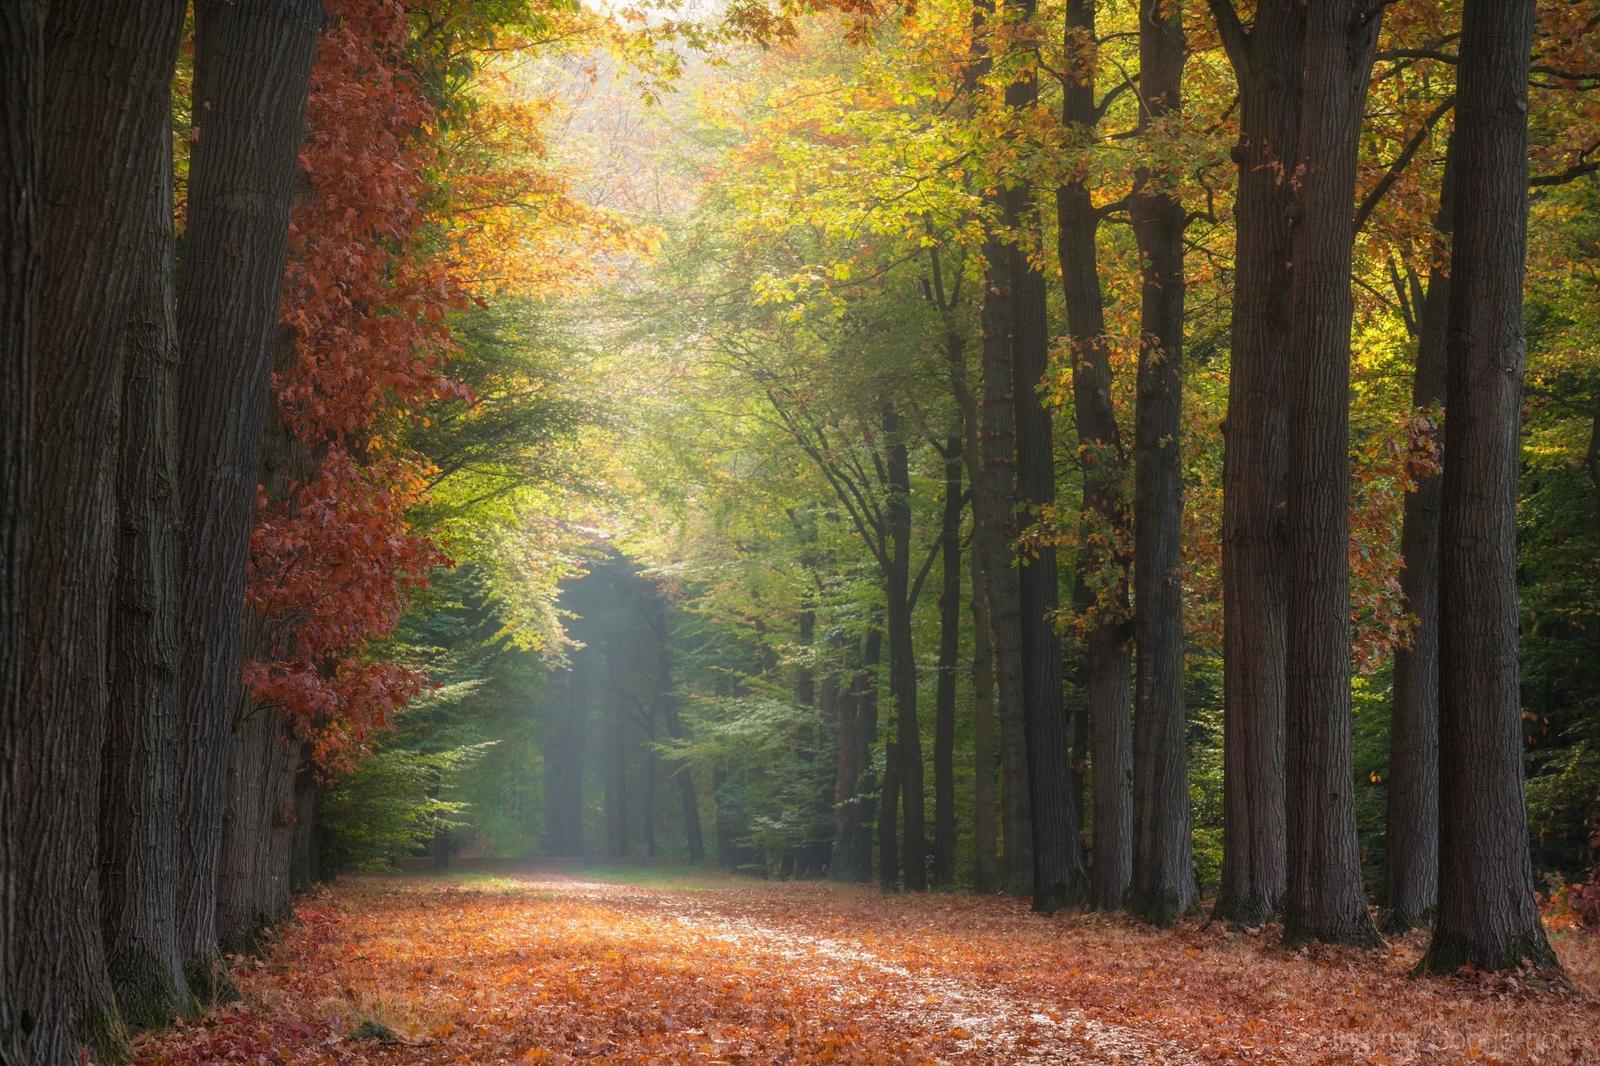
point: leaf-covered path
(541, 964)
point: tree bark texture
(1058, 874)
(104, 62)
(1324, 900)
(141, 757)
(252, 67)
(1411, 837)
(257, 833)
(1163, 864)
(1267, 63)
(994, 531)
(21, 97)
(1487, 915)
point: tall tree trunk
(651, 774)
(722, 818)
(1411, 839)
(563, 744)
(1163, 865)
(618, 799)
(944, 743)
(141, 759)
(994, 530)
(1324, 899)
(1058, 874)
(986, 855)
(694, 838)
(1267, 64)
(1104, 522)
(903, 661)
(253, 864)
(252, 67)
(304, 865)
(888, 851)
(105, 64)
(1487, 916)
(858, 730)
(21, 93)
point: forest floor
(549, 964)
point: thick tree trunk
(1324, 899)
(141, 758)
(1268, 67)
(994, 530)
(1163, 866)
(1487, 915)
(257, 836)
(105, 66)
(1104, 522)
(1058, 874)
(903, 661)
(21, 93)
(944, 743)
(252, 67)
(304, 865)
(1411, 839)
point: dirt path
(535, 964)
(982, 1023)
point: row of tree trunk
(149, 813)
(1457, 837)
(1457, 846)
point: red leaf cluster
(365, 304)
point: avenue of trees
(1139, 455)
